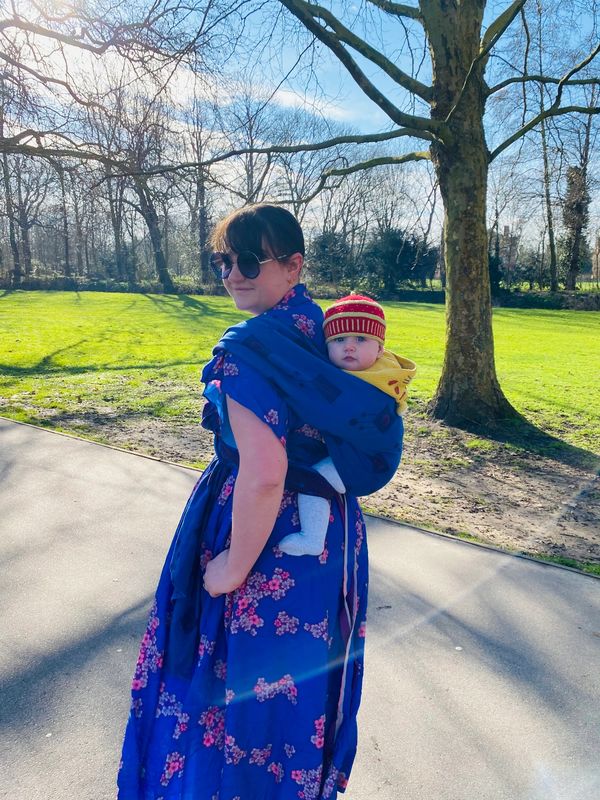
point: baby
(355, 335)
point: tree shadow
(520, 433)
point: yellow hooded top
(391, 374)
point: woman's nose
(235, 273)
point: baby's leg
(327, 469)
(314, 521)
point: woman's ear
(294, 265)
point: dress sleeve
(230, 376)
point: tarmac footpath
(482, 676)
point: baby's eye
(361, 339)
(339, 339)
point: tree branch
(554, 110)
(499, 26)
(551, 112)
(308, 13)
(373, 162)
(343, 34)
(85, 152)
(397, 9)
(542, 79)
(491, 36)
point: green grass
(117, 354)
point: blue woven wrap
(359, 423)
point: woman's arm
(256, 499)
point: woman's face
(275, 278)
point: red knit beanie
(355, 315)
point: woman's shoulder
(298, 309)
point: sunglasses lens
(221, 265)
(248, 264)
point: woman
(249, 675)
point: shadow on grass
(44, 367)
(186, 305)
(522, 434)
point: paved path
(482, 674)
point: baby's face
(353, 352)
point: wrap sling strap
(360, 426)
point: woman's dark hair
(257, 227)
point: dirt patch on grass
(449, 481)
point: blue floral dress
(265, 708)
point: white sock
(314, 521)
(327, 469)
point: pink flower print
(230, 368)
(228, 609)
(330, 781)
(310, 780)
(283, 440)
(282, 304)
(150, 659)
(205, 646)
(136, 707)
(220, 669)
(288, 499)
(311, 432)
(205, 557)
(285, 685)
(272, 417)
(173, 765)
(217, 384)
(277, 552)
(229, 696)
(319, 738)
(226, 490)
(320, 630)
(362, 629)
(259, 756)
(233, 753)
(218, 365)
(342, 780)
(169, 706)
(244, 616)
(277, 770)
(304, 324)
(289, 750)
(323, 556)
(285, 624)
(213, 720)
(359, 525)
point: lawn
(64, 354)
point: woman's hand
(218, 578)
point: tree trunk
(65, 222)
(151, 219)
(25, 227)
(115, 208)
(549, 217)
(582, 217)
(468, 393)
(206, 276)
(14, 245)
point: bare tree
(452, 110)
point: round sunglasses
(248, 264)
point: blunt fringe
(262, 228)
